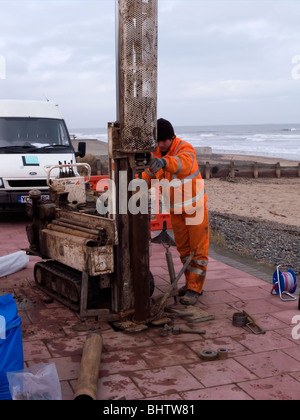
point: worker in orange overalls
(175, 166)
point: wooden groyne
(248, 170)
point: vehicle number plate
(26, 199)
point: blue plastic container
(11, 346)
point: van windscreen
(35, 132)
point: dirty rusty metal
(137, 74)
(74, 251)
(244, 319)
(208, 355)
(161, 321)
(59, 282)
(179, 330)
(164, 332)
(211, 355)
(223, 354)
(239, 319)
(164, 238)
(91, 222)
(97, 239)
(131, 139)
(171, 269)
(70, 189)
(130, 326)
(140, 261)
(158, 308)
(176, 330)
(253, 326)
(191, 314)
(123, 296)
(73, 225)
(72, 244)
(84, 224)
(73, 289)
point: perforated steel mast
(132, 138)
(137, 74)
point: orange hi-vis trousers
(191, 238)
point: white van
(33, 135)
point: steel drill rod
(173, 285)
(81, 224)
(170, 263)
(72, 226)
(57, 228)
(177, 330)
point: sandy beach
(272, 199)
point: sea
(265, 140)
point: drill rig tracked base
(59, 282)
(78, 291)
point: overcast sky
(220, 61)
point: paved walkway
(145, 365)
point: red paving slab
(146, 366)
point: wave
(207, 135)
(194, 136)
(272, 137)
(258, 138)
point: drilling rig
(99, 265)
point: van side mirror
(81, 149)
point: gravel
(267, 242)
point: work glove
(156, 164)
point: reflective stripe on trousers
(189, 238)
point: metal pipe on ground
(87, 384)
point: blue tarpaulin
(11, 347)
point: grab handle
(48, 169)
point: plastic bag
(11, 346)
(39, 382)
(12, 263)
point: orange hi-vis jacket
(187, 206)
(187, 193)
